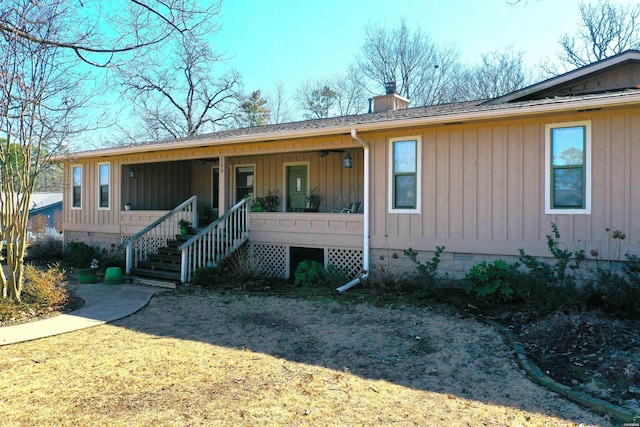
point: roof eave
(630, 55)
(507, 112)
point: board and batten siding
(90, 217)
(336, 185)
(483, 188)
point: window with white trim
(404, 175)
(568, 168)
(76, 187)
(104, 189)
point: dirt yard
(227, 360)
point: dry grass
(224, 360)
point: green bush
(48, 249)
(617, 289)
(310, 274)
(79, 254)
(491, 282)
(549, 286)
(45, 288)
(427, 270)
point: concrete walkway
(102, 304)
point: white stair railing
(156, 235)
(216, 241)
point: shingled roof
(434, 114)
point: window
(568, 168)
(103, 183)
(76, 196)
(404, 177)
(244, 181)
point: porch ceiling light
(347, 161)
(132, 172)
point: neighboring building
(49, 207)
(483, 179)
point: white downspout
(365, 225)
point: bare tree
(499, 72)
(279, 105)
(350, 95)
(606, 30)
(409, 58)
(41, 99)
(177, 94)
(99, 32)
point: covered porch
(332, 226)
(300, 182)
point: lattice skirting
(150, 243)
(273, 260)
(348, 260)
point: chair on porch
(352, 208)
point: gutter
(384, 124)
(365, 237)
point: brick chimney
(390, 101)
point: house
(482, 178)
(49, 207)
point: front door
(297, 188)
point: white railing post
(129, 258)
(184, 266)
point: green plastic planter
(87, 275)
(113, 276)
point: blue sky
(291, 41)
(296, 40)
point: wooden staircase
(163, 268)
(182, 255)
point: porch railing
(156, 235)
(216, 241)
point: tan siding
(634, 178)
(515, 195)
(482, 183)
(429, 185)
(533, 180)
(499, 177)
(485, 183)
(470, 187)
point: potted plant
(256, 206)
(127, 206)
(184, 226)
(268, 203)
(313, 201)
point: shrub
(310, 274)
(617, 290)
(427, 270)
(491, 282)
(547, 287)
(48, 249)
(79, 254)
(46, 288)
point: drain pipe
(365, 225)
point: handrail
(159, 232)
(213, 224)
(216, 241)
(163, 218)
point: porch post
(223, 188)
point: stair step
(158, 283)
(158, 274)
(169, 251)
(172, 258)
(155, 265)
